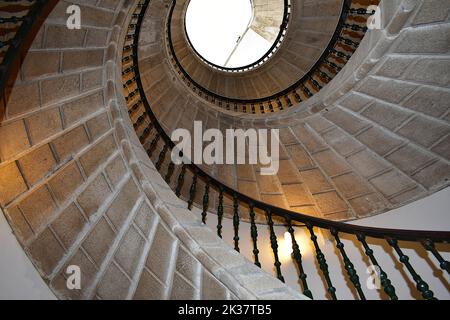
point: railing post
(351, 271)
(220, 213)
(170, 170)
(180, 181)
(192, 191)
(385, 282)
(297, 256)
(443, 264)
(153, 145)
(322, 262)
(162, 157)
(236, 222)
(422, 286)
(205, 202)
(254, 235)
(274, 245)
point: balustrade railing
(20, 20)
(152, 136)
(349, 32)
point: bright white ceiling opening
(219, 30)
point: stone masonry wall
(78, 189)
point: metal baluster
(355, 27)
(297, 255)
(162, 157)
(274, 245)
(254, 234)
(429, 245)
(385, 282)
(322, 262)
(349, 267)
(180, 181)
(422, 286)
(192, 191)
(170, 170)
(220, 213)
(153, 145)
(236, 222)
(205, 202)
(306, 91)
(145, 134)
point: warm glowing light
(288, 239)
(285, 245)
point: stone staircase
(77, 186)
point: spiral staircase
(86, 176)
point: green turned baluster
(254, 234)
(192, 191)
(322, 262)
(153, 145)
(298, 260)
(274, 245)
(205, 202)
(351, 271)
(429, 245)
(145, 134)
(385, 282)
(236, 222)
(180, 181)
(422, 286)
(162, 157)
(349, 42)
(170, 170)
(220, 213)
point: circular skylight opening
(222, 32)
